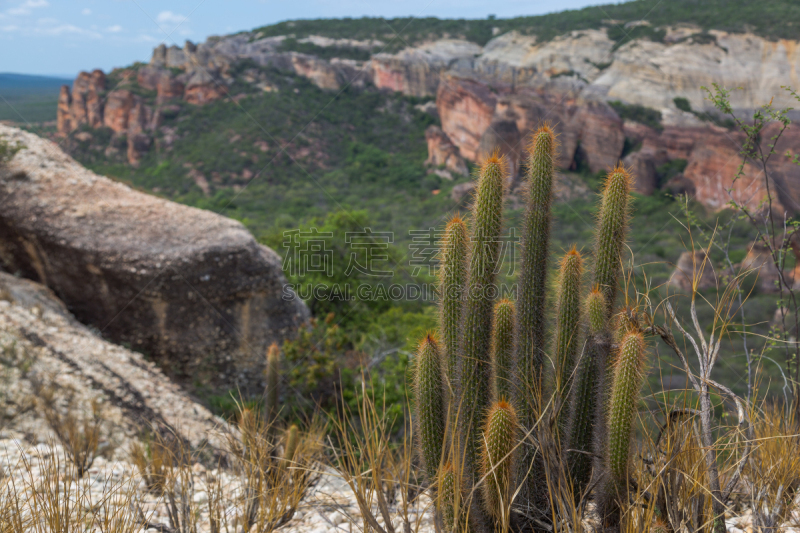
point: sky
(63, 37)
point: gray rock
(192, 289)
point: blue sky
(62, 37)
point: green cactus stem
(503, 349)
(627, 380)
(531, 303)
(500, 436)
(447, 497)
(475, 374)
(586, 401)
(568, 320)
(452, 282)
(430, 405)
(612, 228)
(531, 306)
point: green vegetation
(325, 52)
(29, 98)
(638, 113)
(772, 19)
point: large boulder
(46, 350)
(192, 289)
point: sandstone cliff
(494, 96)
(191, 288)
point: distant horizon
(59, 39)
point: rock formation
(72, 363)
(441, 151)
(191, 288)
(689, 266)
(481, 91)
(416, 71)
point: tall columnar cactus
(627, 380)
(447, 497)
(568, 320)
(531, 302)
(452, 282)
(503, 350)
(430, 405)
(584, 408)
(475, 374)
(497, 460)
(476, 351)
(272, 391)
(612, 228)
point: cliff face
(494, 96)
(191, 288)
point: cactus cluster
(498, 364)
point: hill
(772, 19)
(28, 98)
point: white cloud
(26, 7)
(86, 11)
(116, 28)
(66, 29)
(168, 17)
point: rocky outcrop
(479, 118)
(47, 349)
(503, 137)
(643, 165)
(191, 288)
(416, 70)
(693, 266)
(83, 105)
(441, 151)
(466, 108)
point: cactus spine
(503, 349)
(584, 408)
(475, 385)
(452, 282)
(612, 229)
(499, 440)
(272, 392)
(447, 497)
(430, 405)
(628, 372)
(568, 319)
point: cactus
(627, 380)
(452, 282)
(475, 386)
(533, 275)
(531, 302)
(584, 408)
(612, 228)
(447, 497)
(499, 442)
(272, 391)
(292, 440)
(568, 319)
(430, 405)
(480, 338)
(502, 349)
